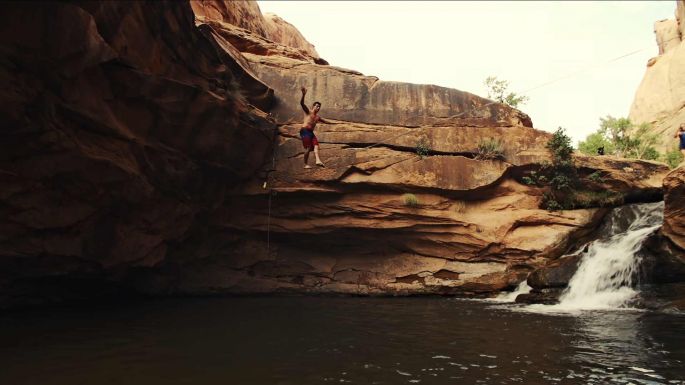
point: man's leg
(316, 155)
(306, 157)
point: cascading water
(606, 276)
(522, 288)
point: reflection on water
(338, 340)
(605, 336)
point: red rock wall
(137, 144)
(674, 212)
(114, 147)
(248, 16)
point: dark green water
(337, 340)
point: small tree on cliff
(497, 90)
(563, 170)
(560, 175)
(621, 137)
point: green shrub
(560, 147)
(620, 136)
(673, 157)
(560, 175)
(490, 149)
(587, 199)
(536, 178)
(410, 200)
(596, 177)
(423, 148)
(651, 153)
(550, 203)
(563, 184)
(498, 90)
(595, 140)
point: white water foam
(606, 276)
(522, 288)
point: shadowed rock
(139, 152)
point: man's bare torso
(310, 120)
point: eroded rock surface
(114, 147)
(153, 147)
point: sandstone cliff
(246, 15)
(123, 125)
(674, 212)
(660, 98)
(152, 146)
(347, 228)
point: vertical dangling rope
(268, 229)
(266, 182)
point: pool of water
(322, 340)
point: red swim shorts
(309, 142)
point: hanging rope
(264, 186)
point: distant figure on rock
(600, 150)
(309, 140)
(681, 133)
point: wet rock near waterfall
(662, 261)
(547, 296)
(666, 297)
(555, 275)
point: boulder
(556, 274)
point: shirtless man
(309, 140)
(681, 133)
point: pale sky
(458, 44)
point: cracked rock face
(348, 227)
(154, 147)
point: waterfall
(608, 270)
(522, 288)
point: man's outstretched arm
(322, 120)
(304, 106)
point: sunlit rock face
(153, 147)
(348, 227)
(660, 98)
(246, 15)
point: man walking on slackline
(309, 140)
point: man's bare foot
(307, 166)
(320, 164)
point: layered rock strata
(151, 148)
(348, 228)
